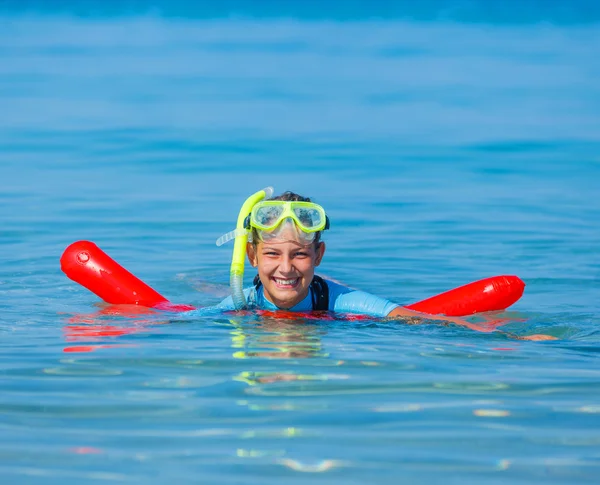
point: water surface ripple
(445, 147)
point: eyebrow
(278, 250)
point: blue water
(448, 141)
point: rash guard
(341, 300)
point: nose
(286, 265)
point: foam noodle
(88, 265)
(489, 294)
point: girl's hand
(490, 323)
(536, 337)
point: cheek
(306, 266)
(265, 266)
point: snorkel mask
(271, 219)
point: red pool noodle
(489, 294)
(86, 264)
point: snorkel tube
(236, 275)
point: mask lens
(309, 217)
(267, 216)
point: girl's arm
(404, 313)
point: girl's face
(285, 268)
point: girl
(282, 239)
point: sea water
(448, 141)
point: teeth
(286, 282)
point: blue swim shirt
(341, 300)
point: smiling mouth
(286, 283)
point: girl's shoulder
(337, 287)
(227, 303)
(345, 299)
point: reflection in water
(269, 335)
(318, 467)
(273, 338)
(262, 335)
(108, 322)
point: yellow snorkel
(236, 275)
